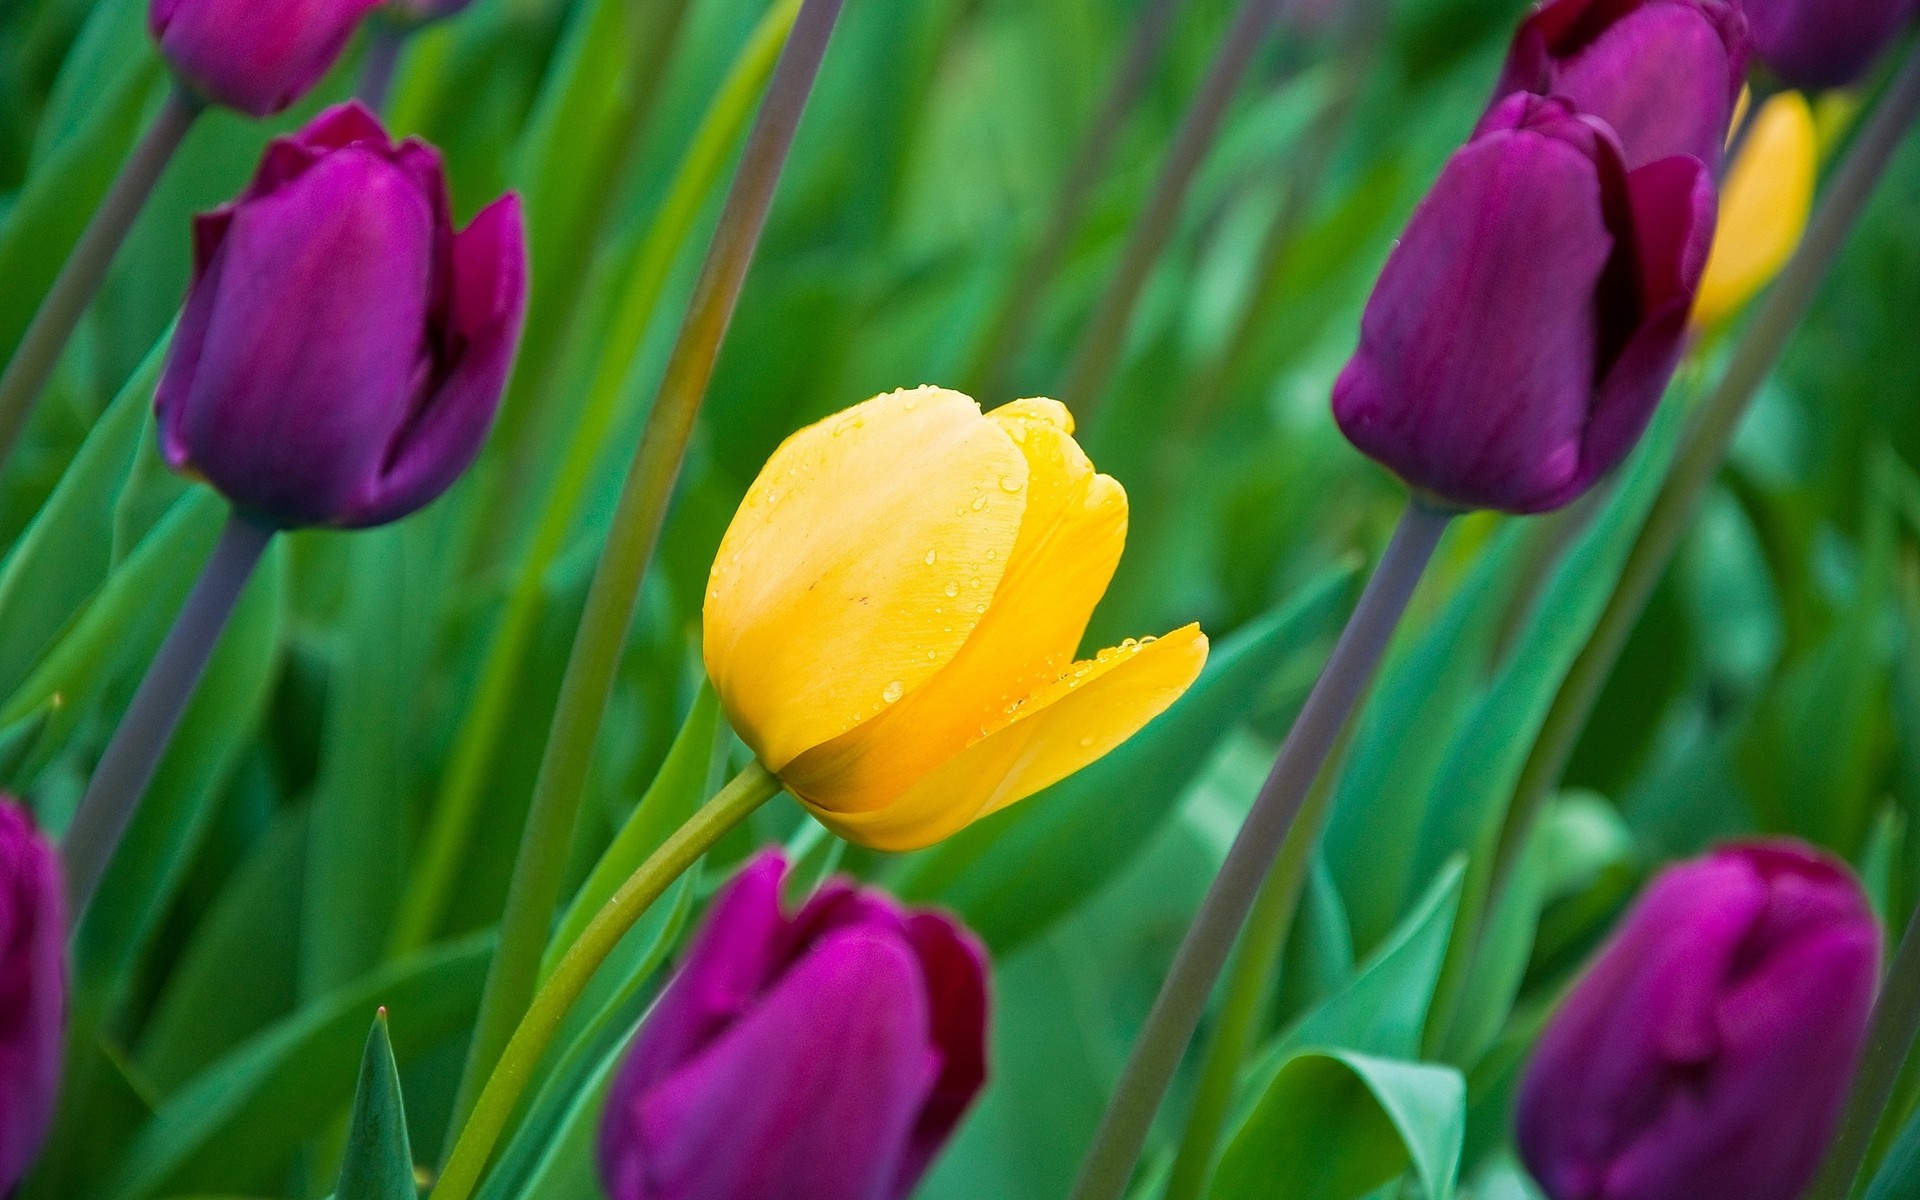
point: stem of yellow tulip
(541, 864)
(1103, 341)
(986, 376)
(1698, 461)
(1183, 998)
(86, 268)
(379, 64)
(1890, 1036)
(509, 1079)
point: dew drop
(979, 608)
(1009, 484)
(894, 691)
(952, 589)
(933, 556)
(979, 502)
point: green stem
(1700, 457)
(509, 1078)
(541, 865)
(1097, 356)
(1249, 985)
(1183, 998)
(471, 762)
(86, 268)
(1890, 1036)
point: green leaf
(248, 1114)
(1335, 1125)
(378, 1164)
(1014, 874)
(1899, 1175)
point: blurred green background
(226, 978)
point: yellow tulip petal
(1070, 543)
(1084, 716)
(833, 594)
(1764, 207)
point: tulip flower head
(251, 56)
(827, 1055)
(892, 618)
(1767, 199)
(33, 990)
(1705, 1054)
(343, 350)
(1817, 44)
(1665, 74)
(1528, 321)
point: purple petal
(258, 58)
(33, 990)
(954, 964)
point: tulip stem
(1890, 1035)
(86, 267)
(1097, 356)
(380, 63)
(126, 768)
(540, 867)
(1698, 462)
(509, 1079)
(1183, 997)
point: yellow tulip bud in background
(1763, 209)
(892, 618)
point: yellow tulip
(1763, 209)
(892, 618)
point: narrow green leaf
(1899, 1175)
(378, 1164)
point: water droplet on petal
(952, 589)
(1009, 484)
(933, 556)
(979, 502)
(894, 691)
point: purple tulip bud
(823, 1056)
(1666, 74)
(33, 990)
(258, 58)
(1527, 323)
(1706, 1052)
(342, 351)
(1816, 44)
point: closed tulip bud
(1528, 321)
(1666, 74)
(1822, 44)
(1706, 1052)
(827, 1055)
(33, 990)
(1764, 208)
(342, 351)
(892, 618)
(255, 57)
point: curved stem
(1896, 1019)
(471, 762)
(509, 1079)
(541, 864)
(1097, 356)
(385, 41)
(1699, 458)
(1183, 998)
(86, 268)
(127, 767)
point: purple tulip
(253, 56)
(823, 1056)
(1666, 74)
(342, 351)
(33, 990)
(1529, 319)
(1706, 1052)
(1823, 43)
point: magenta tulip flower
(1666, 74)
(33, 990)
(1528, 321)
(343, 350)
(1824, 43)
(1707, 1051)
(253, 56)
(826, 1055)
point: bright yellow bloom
(1764, 207)
(892, 618)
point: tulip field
(959, 599)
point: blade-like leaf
(378, 1164)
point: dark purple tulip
(1824, 43)
(1527, 323)
(343, 350)
(33, 990)
(1706, 1052)
(823, 1056)
(254, 56)
(1666, 74)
